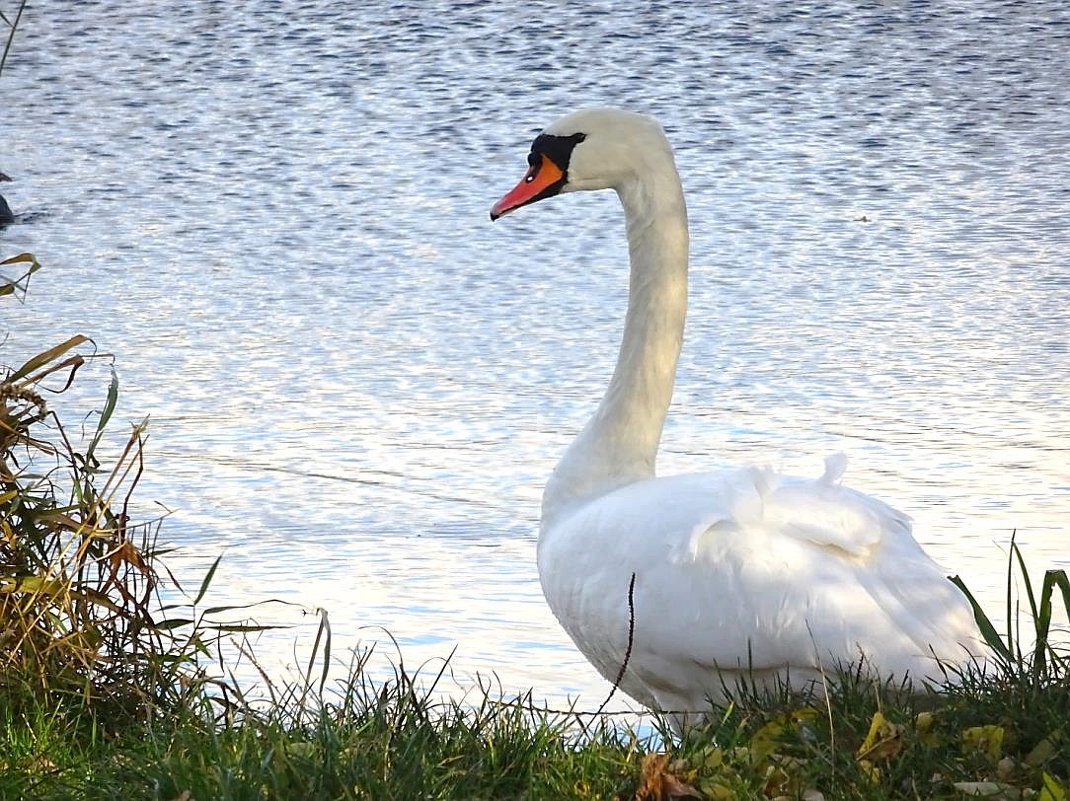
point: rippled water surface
(274, 214)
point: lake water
(274, 214)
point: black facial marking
(557, 148)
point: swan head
(595, 148)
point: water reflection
(276, 218)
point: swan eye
(535, 161)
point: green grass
(395, 739)
(400, 739)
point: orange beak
(543, 179)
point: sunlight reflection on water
(277, 222)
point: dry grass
(80, 619)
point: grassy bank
(999, 739)
(106, 694)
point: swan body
(742, 575)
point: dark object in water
(5, 210)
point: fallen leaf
(711, 757)
(869, 770)
(994, 790)
(778, 783)
(923, 726)
(1052, 790)
(1041, 753)
(766, 739)
(770, 735)
(715, 791)
(1005, 768)
(657, 783)
(988, 739)
(884, 740)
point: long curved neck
(620, 443)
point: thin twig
(577, 713)
(631, 639)
(11, 36)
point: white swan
(740, 574)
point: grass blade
(984, 623)
(41, 359)
(207, 580)
(1040, 650)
